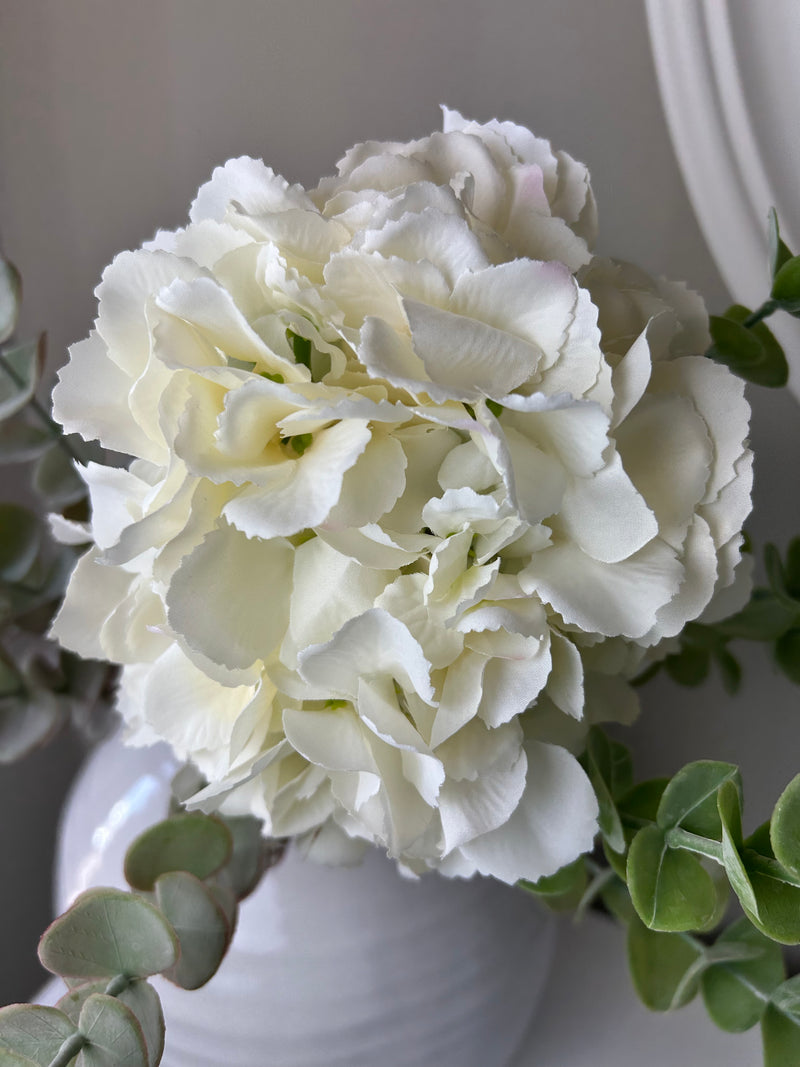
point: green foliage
(780, 1026)
(690, 799)
(200, 923)
(108, 932)
(112, 1033)
(139, 997)
(10, 298)
(670, 888)
(747, 347)
(19, 369)
(563, 890)
(34, 1031)
(190, 842)
(109, 942)
(778, 252)
(658, 963)
(735, 991)
(20, 541)
(785, 827)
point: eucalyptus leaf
(670, 888)
(688, 667)
(764, 618)
(20, 540)
(57, 480)
(11, 1059)
(736, 991)
(785, 827)
(193, 842)
(729, 669)
(107, 932)
(690, 799)
(786, 286)
(142, 1000)
(764, 363)
(18, 373)
(792, 569)
(114, 1036)
(609, 771)
(787, 654)
(778, 900)
(10, 298)
(778, 251)
(20, 442)
(658, 963)
(780, 1027)
(34, 1031)
(27, 721)
(200, 924)
(247, 859)
(730, 816)
(563, 890)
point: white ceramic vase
(329, 967)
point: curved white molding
(724, 77)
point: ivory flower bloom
(404, 487)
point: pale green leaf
(659, 963)
(142, 1000)
(34, 1031)
(200, 924)
(670, 888)
(18, 373)
(115, 1038)
(107, 932)
(690, 799)
(736, 991)
(193, 842)
(20, 539)
(10, 298)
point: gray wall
(112, 113)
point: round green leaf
(11, 1059)
(785, 827)
(200, 924)
(690, 799)
(246, 863)
(21, 442)
(787, 654)
(780, 1027)
(18, 373)
(26, 722)
(670, 888)
(730, 814)
(659, 963)
(786, 286)
(10, 298)
(57, 480)
(735, 991)
(778, 900)
(142, 1000)
(194, 842)
(764, 363)
(563, 890)
(764, 618)
(20, 539)
(34, 1031)
(114, 1036)
(107, 932)
(778, 252)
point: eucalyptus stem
(52, 427)
(763, 312)
(118, 984)
(677, 837)
(69, 1050)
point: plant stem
(677, 837)
(118, 984)
(763, 312)
(69, 1050)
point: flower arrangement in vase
(421, 492)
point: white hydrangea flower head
(414, 478)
